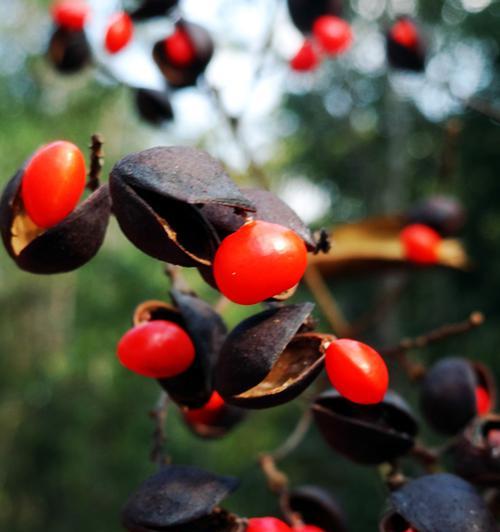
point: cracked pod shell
(68, 50)
(437, 503)
(62, 248)
(153, 106)
(264, 362)
(207, 331)
(186, 76)
(367, 434)
(156, 197)
(304, 12)
(448, 393)
(177, 496)
(405, 57)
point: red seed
(208, 413)
(306, 58)
(334, 35)
(420, 243)
(53, 183)
(119, 32)
(258, 261)
(405, 33)
(483, 400)
(267, 524)
(70, 14)
(357, 371)
(157, 349)
(179, 49)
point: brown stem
(96, 162)
(427, 457)
(177, 279)
(159, 416)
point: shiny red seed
(420, 243)
(405, 33)
(157, 349)
(119, 32)
(357, 371)
(258, 261)
(267, 524)
(306, 58)
(208, 413)
(179, 49)
(53, 182)
(70, 14)
(333, 34)
(483, 400)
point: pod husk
(68, 50)
(156, 194)
(404, 57)
(367, 434)
(445, 214)
(318, 507)
(177, 76)
(149, 9)
(304, 12)
(61, 248)
(229, 417)
(154, 106)
(438, 503)
(177, 495)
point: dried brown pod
(367, 434)
(445, 214)
(178, 496)
(156, 197)
(448, 393)
(179, 76)
(304, 12)
(264, 362)
(61, 248)
(68, 50)
(402, 54)
(437, 503)
(206, 329)
(318, 507)
(154, 106)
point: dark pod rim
(154, 106)
(174, 496)
(68, 51)
(61, 248)
(154, 309)
(230, 417)
(304, 12)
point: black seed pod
(207, 331)
(177, 496)
(448, 394)
(154, 106)
(443, 213)
(61, 248)
(368, 434)
(68, 50)
(225, 420)
(152, 8)
(318, 507)
(203, 46)
(405, 57)
(156, 196)
(438, 503)
(264, 362)
(304, 12)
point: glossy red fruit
(308, 528)
(258, 261)
(267, 524)
(420, 243)
(334, 35)
(119, 32)
(179, 49)
(306, 58)
(208, 413)
(357, 371)
(405, 33)
(158, 349)
(70, 14)
(483, 400)
(53, 182)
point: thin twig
(159, 416)
(96, 162)
(177, 279)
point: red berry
(208, 413)
(333, 34)
(267, 524)
(306, 58)
(405, 33)
(71, 14)
(420, 243)
(308, 528)
(357, 371)
(53, 182)
(483, 400)
(258, 261)
(119, 32)
(179, 49)
(157, 349)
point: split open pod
(367, 434)
(304, 12)
(157, 195)
(406, 48)
(68, 50)
(265, 361)
(437, 503)
(181, 499)
(193, 387)
(61, 248)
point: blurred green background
(74, 431)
